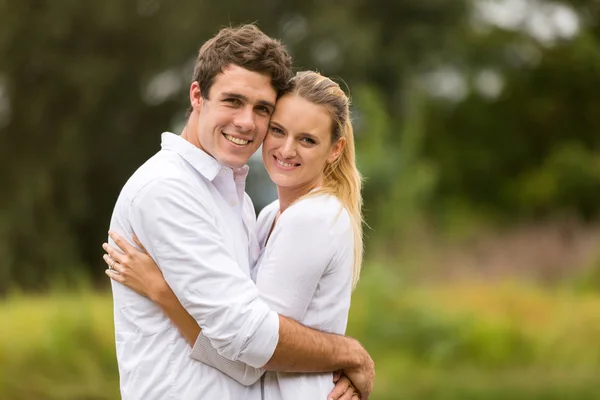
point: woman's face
(298, 143)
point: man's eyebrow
(234, 95)
(267, 103)
(245, 99)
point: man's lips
(237, 140)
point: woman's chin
(281, 180)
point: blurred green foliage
(457, 118)
(464, 341)
(461, 122)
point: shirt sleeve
(180, 232)
(240, 371)
(298, 254)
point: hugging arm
(291, 269)
(286, 280)
(138, 271)
(183, 239)
(179, 232)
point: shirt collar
(199, 159)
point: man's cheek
(263, 131)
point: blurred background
(478, 132)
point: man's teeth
(284, 164)
(236, 140)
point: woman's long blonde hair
(341, 177)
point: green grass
(58, 347)
(461, 341)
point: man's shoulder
(164, 166)
(160, 172)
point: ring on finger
(112, 263)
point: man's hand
(362, 377)
(344, 389)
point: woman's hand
(138, 271)
(133, 268)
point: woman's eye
(308, 140)
(276, 130)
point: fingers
(113, 265)
(115, 276)
(139, 244)
(355, 396)
(340, 389)
(114, 254)
(122, 243)
(336, 375)
(348, 395)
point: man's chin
(234, 162)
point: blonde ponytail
(343, 180)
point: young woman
(311, 237)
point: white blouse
(305, 273)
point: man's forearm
(302, 349)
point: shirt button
(232, 203)
(223, 171)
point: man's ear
(196, 98)
(336, 150)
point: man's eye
(233, 101)
(264, 110)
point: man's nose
(244, 120)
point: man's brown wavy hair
(248, 47)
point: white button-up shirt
(305, 273)
(193, 217)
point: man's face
(233, 121)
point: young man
(188, 208)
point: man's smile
(236, 140)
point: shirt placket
(227, 189)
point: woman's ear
(336, 150)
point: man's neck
(190, 135)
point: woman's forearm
(183, 321)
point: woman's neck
(288, 195)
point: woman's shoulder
(270, 208)
(318, 208)
(267, 214)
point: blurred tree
(533, 150)
(86, 89)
